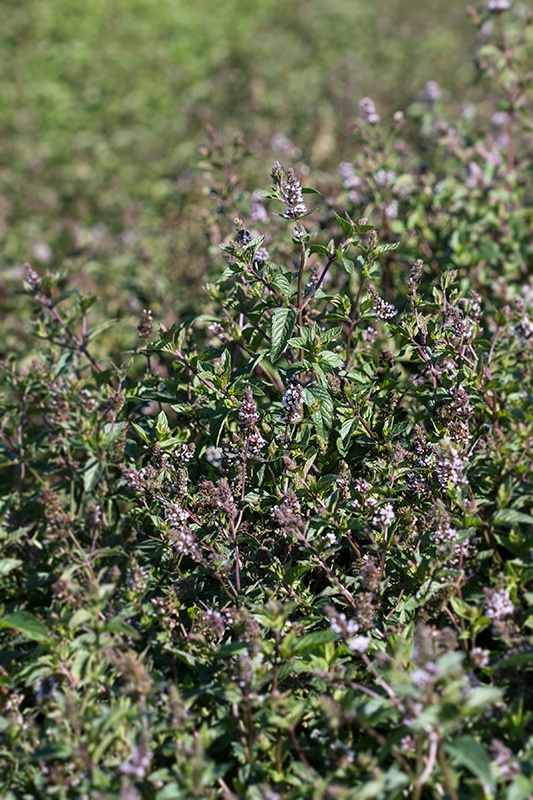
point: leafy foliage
(283, 549)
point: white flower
(383, 516)
(359, 644)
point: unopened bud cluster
(248, 416)
(145, 325)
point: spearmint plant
(284, 549)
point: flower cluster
(383, 310)
(383, 516)
(248, 415)
(368, 111)
(497, 604)
(348, 629)
(145, 325)
(432, 92)
(293, 196)
(138, 762)
(449, 466)
(183, 541)
(292, 401)
(288, 514)
(498, 6)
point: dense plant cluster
(283, 550)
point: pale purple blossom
(292, 401)
(368, 111)
(293, 196)
(359, 644)
(497, 604)
(383, 516)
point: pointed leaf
(346, 225)
(7, 565)
(162, 427)
(283, 322)
(467, 752)
(509, 516)
(92, 473)
(26, 623)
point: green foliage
(282, 548)
(104, 105)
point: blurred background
(104, 106)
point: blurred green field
(103, 106)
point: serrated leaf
(346, 431)
(347, 226)
(26, 623)
(92, 473)
(141, 432)
(228, 273)
(283, 285)
(254, 243)
(283, 322)
(322, 409)
(332, 360)
(223, 368)
(385, 248)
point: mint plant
(283, 549)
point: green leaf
(254, 244)
(509, 516)
(385, 248)
(141, 432)
(520, 788)
(7, 565)
(348, 265)
(223, 368)
(312, 640)
(321, 404)
(468, 752)
(162, 427)
(93, 333)
(516, 660)
(26, 623)
(346, 432)
(347, 225)
(321, 249)
(92, 473)
(333, 360)
(283, 322)
(52, 751)
(283, 285)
